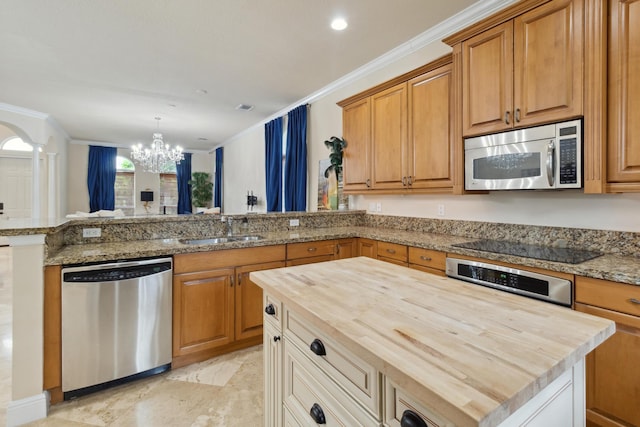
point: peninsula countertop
(623, 269)
(473, 354)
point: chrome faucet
(229, 226)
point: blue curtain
(183, 175)
(217, 185)
(101, 178)
(295, 164)
(273, 164)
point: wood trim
(622, 187)
(52, 328)
(55, 395)
(178, 362)
(203, 261)
(595, 97)
(443, 60)
(620, 318)
(496, 19)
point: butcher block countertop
(472, 354)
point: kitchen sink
(217, 240)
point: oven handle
(551, 161)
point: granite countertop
(623, 269)
(446, 342)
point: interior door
(15, 186)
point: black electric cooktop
(547, 253)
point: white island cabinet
(363, 342)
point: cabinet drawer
(276, 318)
(392, 251)
(352, 373)
(610, 295)
(397, 401)
(427, 258)
(306, 387)
(310, 249)
(309, 260)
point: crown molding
(123, 146)
(457, 22)
(23, 111)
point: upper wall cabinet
(623, 150)
(399, 134)
(525, 71)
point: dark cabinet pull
(312, 249)
(506, 117)
(318, 348)
(270, 310)
(317, 414)
(391, 251)
(425, 258)
(276, 338)
(634, 301)
(368, 182)
(517, 115)
(411, 419)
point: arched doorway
(16, 174)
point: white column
(28, 400)
(52, 212)
(35, 182)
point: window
(169, 190)
(17, 144)
(125, 185)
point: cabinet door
(272, 376)
(389, 136)
(346, 248)
(548, 63)
(248, 301)
(356, 131)
(430, 155)
(487, 81)
(613, 377)
(624, 94)
(202, 310)
(368, 248)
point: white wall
(244, 169)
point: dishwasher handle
(116, 273)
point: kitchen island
(465, 354)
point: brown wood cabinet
(427, 260)
(392, 252)
(525, 71)
(52, 333)
(356, 130)
(623, 150)
(408, 146)
(613, 377)
(319, 251)
(216, 307)
(367, 247)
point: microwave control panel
(568, 155)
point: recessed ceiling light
(339, 24)
(202, 91)
(244, 107)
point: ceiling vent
(244, 107)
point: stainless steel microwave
(538, 158)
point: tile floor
(222, 391)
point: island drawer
(272, 305)
(610, 295)
(311, 249)
(397, 402)
(393, 251)
(356, 376)
(306, 387)
(427, 258)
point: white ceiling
(103, 69)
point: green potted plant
(336, 145)
(201, 190)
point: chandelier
(159, 157)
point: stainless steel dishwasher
(116, 323)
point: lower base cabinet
(311, 379)
(216, 307)
(613, 377)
